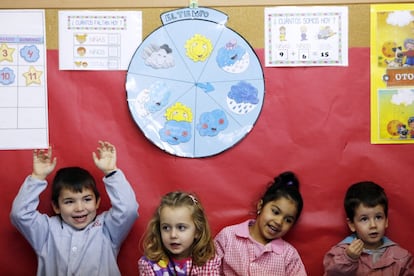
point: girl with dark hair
(256, 247)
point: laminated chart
(23, 91)
(195, 87)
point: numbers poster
(392, 74)
(306, 36)
(23, 91)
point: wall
(315, 121)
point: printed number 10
(5, 76)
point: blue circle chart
(194, 87)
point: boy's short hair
(75, 179)
(367, 193)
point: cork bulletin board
(236, 10)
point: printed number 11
(33, 76)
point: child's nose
(278, 220)
(79, 206)
(173, 233)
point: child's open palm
(105, 160)
(43, 163)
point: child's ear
(98, 202)
(197, 236)
(351, 225)
(259, 206)
(55, 208)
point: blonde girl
(178, 240)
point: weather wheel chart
(23, 98)
(195, 88)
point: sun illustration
(198, 48)
(179, 112)
(387, 49)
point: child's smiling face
(78, 209)
(275, 219)
(369, 223)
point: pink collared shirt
(241, 255)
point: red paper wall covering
(315, 122)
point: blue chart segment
(194, 87)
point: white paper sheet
(23, 83)
(306, 36)
(98, 40)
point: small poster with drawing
(306, 36)
(98, 40)
(392, 74)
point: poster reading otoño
(392, 74)
(306, 36)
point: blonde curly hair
(203, 246)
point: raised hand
(105, 160)
(43, 163)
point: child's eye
(67, 201)
(182, 227)
(364, 219)
(379, 217)
(89, 198)
(275, 211)
(289, 220)
(165, 228)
